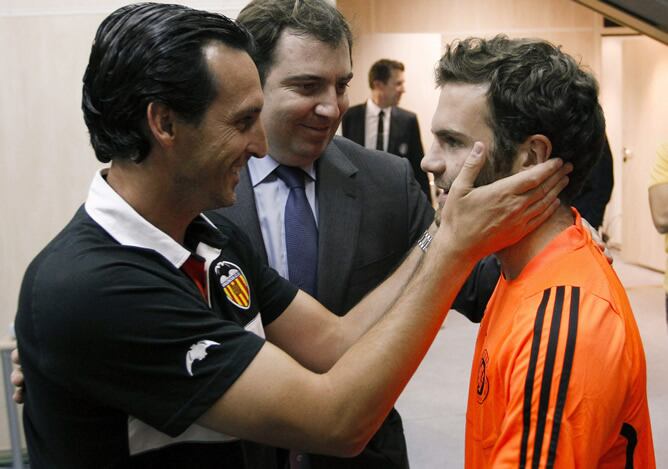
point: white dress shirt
(371, 125)
(271, 195)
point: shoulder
(354, 112)
(365, 158)
(345, 146)
(356, 109)
(226, 226)
(238, 240)
(404, 113)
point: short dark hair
(267, 19)
(381, 70)
(534, 88)
(145, 53)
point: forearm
(388, 354)
(337, 412)
(658, 204)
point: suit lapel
(244, 212)
(357, 129)
(339, 214)
(393, 140)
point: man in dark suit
(381, 124)
(368, 208)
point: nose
(258, 142)
(330, 104)
(432, 162)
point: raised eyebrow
(297, 78)
(448, 133)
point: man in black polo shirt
(142, 325)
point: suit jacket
(371, 212)
(404, 139)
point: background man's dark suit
(404, 139)
(370, 213)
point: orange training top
(558, 377)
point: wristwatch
(425, 241)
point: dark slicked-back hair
(267, 19)
(381, 70)
(534, 88)
(146, 53)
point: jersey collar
(127, 227)
(571, 239)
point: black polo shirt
(120, 350)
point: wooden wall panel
(560, 21)
(390, 16)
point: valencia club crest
(234, 284)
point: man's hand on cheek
(487, 219)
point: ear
(161, 120)
(376, 84)
(537, 149)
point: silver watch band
(425, 241)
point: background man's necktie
(380, 137)
(301, 232)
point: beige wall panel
(45, 160)
(87, 7)
(610, 96)
(45, 157)
(560, 21)
(385, 16)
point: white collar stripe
(126, 226)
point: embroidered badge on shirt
(234, 284)
(197, 352)
(482, 386)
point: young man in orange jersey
(558, 377)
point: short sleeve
(659, 174)
(560, 411)
(274, 293)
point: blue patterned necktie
(301, 232)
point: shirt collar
(126, 226)
(571, 239)
(373, 109)
(261, 168)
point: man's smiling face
(306, 94)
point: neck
(377, 99)
(147, 190)
(515, 257)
